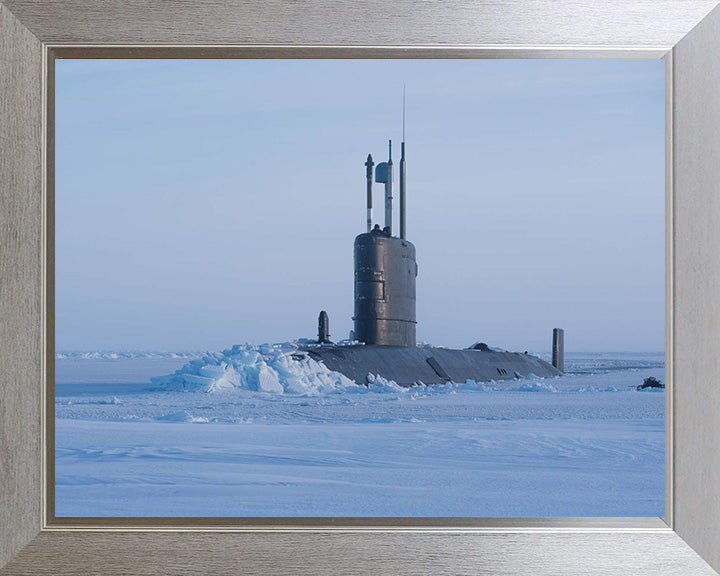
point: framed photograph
(252, 325)
(56, 520)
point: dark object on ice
(650, 383)
(323, 328)
(384, 314)
(558, 349)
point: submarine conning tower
(385, 269)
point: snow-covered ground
(250, 432)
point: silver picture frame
(686, 33)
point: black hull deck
(427, 364)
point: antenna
(403, 112)
(402, 176)
(389, 191)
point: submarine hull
(408, 366)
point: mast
(402, 191)
(389, 191)
(384, 175)
(369, 176)
(403, 218)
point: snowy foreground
(253, 432)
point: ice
(112, 355)
(268, 368)
(377, 383)
(251, 431)
(184, 467)
(537, 387)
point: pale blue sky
(203, 203)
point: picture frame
(685, 33)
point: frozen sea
(216, 441)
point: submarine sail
(385, 272)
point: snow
(272, 368)
(485, 468)
(537, 387)
(250, 431)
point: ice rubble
(273, 368)
(537, 387)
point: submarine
(384, 342)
